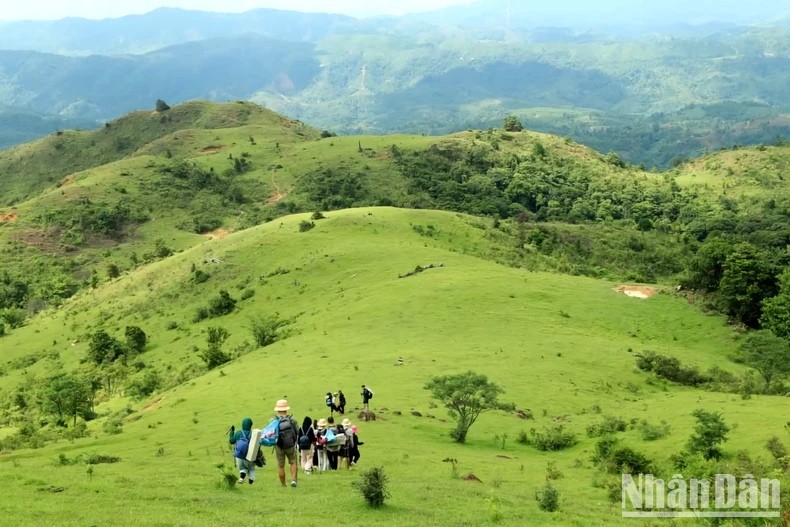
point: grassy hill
(562, 347)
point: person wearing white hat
(320, 442)
(286, 442)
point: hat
(282, 406)
(337, 393)
(322, 423)
(346, 422)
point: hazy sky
(53, 9)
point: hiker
(332, 446)
(367, 395)
(306, 445)
(342, 406)
(354, 447)
(336, 401)
(345, 444)
(320, 445)
(330, 402)
(286, 441)
(241, 440)
(315, 443)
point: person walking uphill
(241, 440)
(286, 442)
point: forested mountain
(655, 95)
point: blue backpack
(271, 433)
(242, 445)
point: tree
(103, 348)
(136, 339)
(213, 355)
(466, 396)
(265, 330)
(748, 277)
(776, 310)
(63, 395)
(768, 354)
(161, 106)
(709, 431)
(512, 124)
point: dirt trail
(10, 217)
(278, 195)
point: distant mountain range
(654, 83)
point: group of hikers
(321, 444)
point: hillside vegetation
(227, 257)
(158, 416)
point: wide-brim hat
(282, 406)
(322, 423)
(346, 422)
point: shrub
(614, 458)
(13, 316)
(670, 368)
(247, 293)
(113, 425)
(214, 357)
(779, 452)
(610, 425)
(651, 432)
(373, 486)
(552, 439)
(200, 314)
(317, 216)
(222, 304)
(305, 225)
(161, 106)
(265, 330)
(199, 276)
(548, 498)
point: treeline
(643, 226)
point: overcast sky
(53, 9)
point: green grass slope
(561, 346)
(27, 169)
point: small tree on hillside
(213, 355)
(768, 354)
(104, 348)
(512, 124)
(136, 339)
(161, 106)
(709, 431)
(466, 396)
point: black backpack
(304, 440)
(287, 435)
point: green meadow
(561, 347)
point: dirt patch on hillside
(211, 149)
(10, 217)
(219, 233)
(68, 180)
(45, 240)
(153, 405)
(637, 291)
(277, 196)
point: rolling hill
(350, 317)
(504, 253)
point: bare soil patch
(637, 291)
(10, 217)
(211, 149)
(219, 233)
